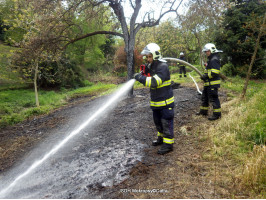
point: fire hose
(195, 83)
(189, 65)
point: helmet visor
(145, 51)
(205, 49)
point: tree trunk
(200, 54)
(130, 58)
(199, 45)
(253, 58)
(35, 85)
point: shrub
(228, 69)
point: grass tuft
(254, 173)
(239, 137)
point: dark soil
(114, 157)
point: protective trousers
(210, 94)
(182, 70)
(164, 122)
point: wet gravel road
(101, 156)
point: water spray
(116, 97)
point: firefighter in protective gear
(162, 98)
(182, 68)
(212, 82)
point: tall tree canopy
(241, 26)
(96, 9)
(199, 24)
(46, 27)
(129, 30)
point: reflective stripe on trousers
(168, 141)
(210, 95)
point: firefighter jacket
(213, 70)
(160, 85)
(182, 58)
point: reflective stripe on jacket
(213, 71)
(162, 103)
(160, 85)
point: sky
(153, 5)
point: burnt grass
(183, 173)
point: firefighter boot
(157, 142)
(214, 117)
(166, 148)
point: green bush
(60, 74)
(228, 69)
(87, 83)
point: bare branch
(74, 6)
(131, 3)
(134, 16)
(151, 23)
(119, 12)
(93, 3)
(91, 34)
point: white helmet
(210, 47)
(181, 54)
(153, 49)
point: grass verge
(18, 105)
(238, 139)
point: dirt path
(117, 148)
(183, 173)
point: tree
(120, 59)
(199, 23)
(39, 42)
(238, 38)
(3, 27)
(43, 29)
(261, 32)
(9, 12)
(169, 39)
(52, 22)
(167, 35)
(129, 31)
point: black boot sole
(156, 144)
(212, 119)
(164, 152)
(201, 114)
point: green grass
(236, 85)
(251, 110)
(239, 137)
(17, 102)
(100, 87)
(18, 105)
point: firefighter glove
(137, 76)
(204, 77)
